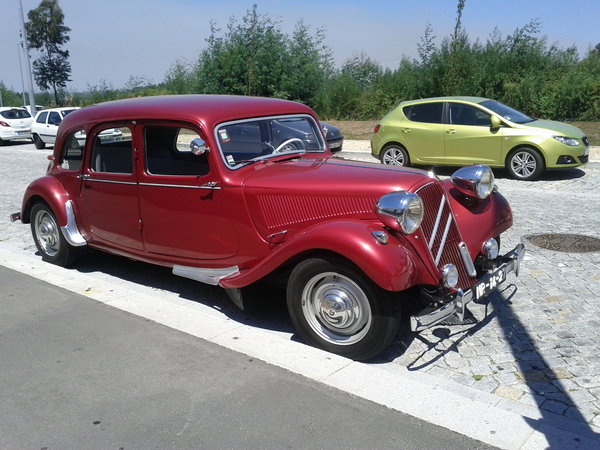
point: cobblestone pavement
(535, 342)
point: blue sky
(112, 40)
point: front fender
(480, 220)
(392, 266)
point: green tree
(255, 57)
(47, 33)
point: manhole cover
(574, 243)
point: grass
(363, 129)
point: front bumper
(455, 303)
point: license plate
(489, 284)
(586, 152)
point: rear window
(15, 114)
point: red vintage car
(236, 191)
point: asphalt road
(78, 374)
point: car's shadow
(269, 312)
(548, 175)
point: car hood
(560, 128)
(292, 195)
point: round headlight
(400, 210)
(477, 180)
(490, 248)
(449, 276)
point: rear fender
(393, 266)
(50, 191)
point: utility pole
(32, 110)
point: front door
(469, 137)
(182, 206)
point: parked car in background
(454, 131)
(45, 127)
(243, 192)
(15, 123)
(334, 137)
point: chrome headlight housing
(490, 248)
(449, 276)
(401, 210)
(477, 180)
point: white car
(15, 123)
(45, 127)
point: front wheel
(37, 141)
(337, 308)
(394, 155)
(525, 164)
(48, 237)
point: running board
(203, 275)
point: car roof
(205, 109)
(447, 99)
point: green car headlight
(401, 210)
(567, 140)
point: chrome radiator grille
(441, 233)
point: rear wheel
(394, 155)
(37, 141)
(525, 164)
(48, 237)
(337, 308)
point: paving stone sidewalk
(536, 342)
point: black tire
(2, 142)
(525, 164)
(37, 141)
(394, 155)
(335, 307)
(48, 237)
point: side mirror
(198, 146)
(496, 122)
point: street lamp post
(20, 44)
(27, 62)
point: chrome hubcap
(336, 308)
(393, 157)
(523, 164)
(47, 233)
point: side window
(54, 118)
(459, 114)
(112, 151)
(167, 152)
(72, 151)
(42, 117)
(424, 112)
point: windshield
(252, 140)
(507, 112)
(64, 112)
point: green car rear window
(424, 112)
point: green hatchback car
(457, 131)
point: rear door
(109, 190)
(423, 133)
